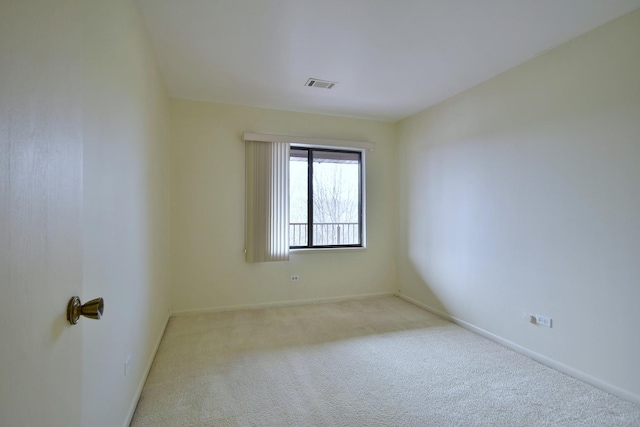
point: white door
(40, 212)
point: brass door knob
(92, 309)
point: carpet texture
(374, 362)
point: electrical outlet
(542, 320)
(295, 278)
(127, 365)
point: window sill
(325, 250)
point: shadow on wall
(415, 281)
(418, 286)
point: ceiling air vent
(322, 84)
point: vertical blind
(267, 192)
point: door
(40, 212)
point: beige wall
(126, 208)
(522, 195)
(207, 211)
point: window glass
(325, 198)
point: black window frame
(310, 223)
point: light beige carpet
(375, 362)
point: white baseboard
(558, 366)
(134, 403)
(280, 304)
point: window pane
(336, 198)
(298, 193)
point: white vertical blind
(267, 192)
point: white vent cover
(322, 84)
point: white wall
(207, 211)
(126, 208)
(523, 195)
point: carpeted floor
(374, 362)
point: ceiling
(391, 59)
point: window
(303, 193)
(326, 198)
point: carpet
(373, 362)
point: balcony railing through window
(325, 234)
